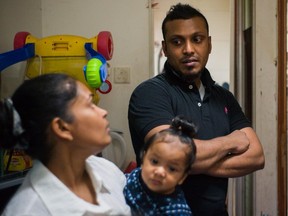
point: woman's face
(90, 128)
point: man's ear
(164, 48)
(61, 128)
(210, 44)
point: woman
(54, 118)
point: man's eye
(197, 39)
(176, 41)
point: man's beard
(191, 77)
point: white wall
(16, 16)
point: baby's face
(164, 166)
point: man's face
(187, 46)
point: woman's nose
(103, 112)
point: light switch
(121, 74)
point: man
(226, 144)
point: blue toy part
(15, 56)
(96, 70)
(105, 88)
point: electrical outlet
(121, 74)
(109, 72)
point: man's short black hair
(182, 11)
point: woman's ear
(61, 129)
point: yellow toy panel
(68, 54)
(61, 45)
(70, 65)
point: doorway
(282, 107)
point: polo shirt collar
(175, 76)
(58, 199)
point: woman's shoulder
(20, 205)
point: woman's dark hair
(181, 128)
(182, 11)
(37, 102)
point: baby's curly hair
(180, 128)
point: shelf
(12, 179)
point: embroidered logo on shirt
(226, 110)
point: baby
(154, 188)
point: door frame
(282, 108)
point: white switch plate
(121, 74)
